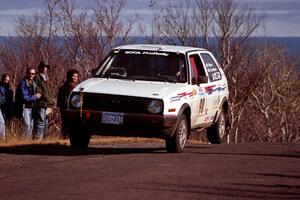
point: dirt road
(146, 171)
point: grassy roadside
(95, 140)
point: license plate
(112, 118)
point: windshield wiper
(118, 76)
(166, 78)
(163, 78)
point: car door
(215, 84)
(198, 103)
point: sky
(283, 16)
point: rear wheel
(177, 143)
(79, 138)
(217, 133)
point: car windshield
(144, 65)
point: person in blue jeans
(2, 127)
(46, 100)
(26, 97)
(6, 103)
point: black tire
(217, 133)
(177, 143)
(79, 138)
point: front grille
(115, 103)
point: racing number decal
(201, 105)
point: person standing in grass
(2, 122)
(46, 100)
(26, 97)
(6, 102)
(63, 95)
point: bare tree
(203, 16)
(155, 36)
(73, 27)
(10, 61)
(88, 37)
(37, 38)
(113, 29)
(177, 23)
(276, 99)
(233, 27)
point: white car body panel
(148, 89)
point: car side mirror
(203, 79)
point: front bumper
(134, 125)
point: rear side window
(211, 67)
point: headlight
(155, 106)
(75, 101)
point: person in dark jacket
(63, 95)
(6, 92)
(2, 125)
(26, 97)
(46, 100)
(6, 102)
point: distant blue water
(292, 44)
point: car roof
(159, 47)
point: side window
(196, 68)
(211, 67)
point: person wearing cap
(46, 100)
(26, 97)
(63, 95)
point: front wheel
(217, 134)
(79, 138)
(177, 143)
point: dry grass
(95, 140)
(18, 142)
(121, 140)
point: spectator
(2, 125)
(62, 97)
(6, 102)
(46, 100)
(7, 92)
(26, 97)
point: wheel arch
(224, 106)
(213, 131)
(184, 110)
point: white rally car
(155, 91)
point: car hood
(137, 88)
